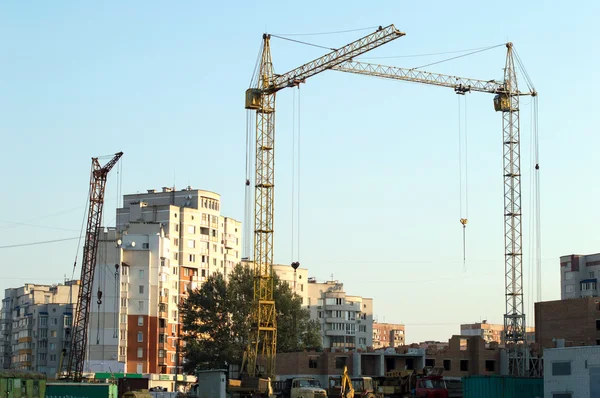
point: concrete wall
(584, 371)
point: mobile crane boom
(507, 102)
(76, 352)
(263, 334)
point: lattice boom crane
(76, 353)
(263, 334)
(507, 102)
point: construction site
(156, 305)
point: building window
(161, 353)
(186, 272)
(490, 366)
(123, 302)
(145, 245)
(464, 365)
(140, 352)
(53, 333)
(52, 357)
(54, 321)
(175, 271)
(191, 229)
(561, 368)
(192, 258)
(123, 334)
(173, 358)
(125, 270)
(140, 337)
(141, 289)
(140, 321)
(340, 362)
(568, 276)
(191, 243)
(312, 362)
(464, 344)
(140, 305)
(175, 256)
(43, 321)
(42, 356)
(141, 273)
(174, 299)
(122, 351)
(447, 364)
(597, 324)
(430, 362)
(362, 340)
(176, 227)
(176, 241)
(52, 346)
(123, 318)
(591, 274)
(174, 314)
(214, 261)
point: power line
(37, 243)
(37, 225)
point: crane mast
(76, 353)
(507, 102)
(263, 334)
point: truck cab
(363, 386)
(299, 387)
(431, 387)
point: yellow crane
(263, 334)
(506, 100)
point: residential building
(491, 332)
(297, 280)
(572, 372)
(388, 335)
(346, 321)
(35, 323)
(464, 356)
(438, 345)
(165, 244)
(577, 321)
(579, 276)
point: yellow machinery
(263, 334)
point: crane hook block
(464, 222)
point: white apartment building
(579, 276)
(346, 321)
(297, 280)
(35, 322)
(572, 372)
(165, 244)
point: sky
(379, 192)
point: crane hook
(464, 222)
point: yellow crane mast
(506, 100)
(263, 334)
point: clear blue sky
(164, 83)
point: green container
(81, 390)
(503, 387)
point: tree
(216, 320)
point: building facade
(297, 280)
(579, 276)
(35, 323)
(388, 335)
(346, 321)
(572, 372)
(490, 332)
(577, 321)
(165, 244)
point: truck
(298, 387)
(406, 383)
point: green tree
(216, 320)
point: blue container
(503, 387)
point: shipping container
(88, 390)
(503, 387)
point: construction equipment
(263, 334)
(76, 353)
(344, 387)
(506, 100)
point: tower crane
(506, 100)
(76, 353)
(263, 334)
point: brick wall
(313, 363)
(473, 355)
(573, 320)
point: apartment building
(491, 332)
(35, 323)
(579, 276)
(165, 244)
(346, 321)
(388, 335)
(297, 280)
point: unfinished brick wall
(573, 320)
(471, 357)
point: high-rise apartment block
(346, 321)
(35, 323)
(579, 276)
(165, 244)
(388, 335)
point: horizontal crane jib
(336, 57)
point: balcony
(335, 333)
(163, 299)
(163, 314)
